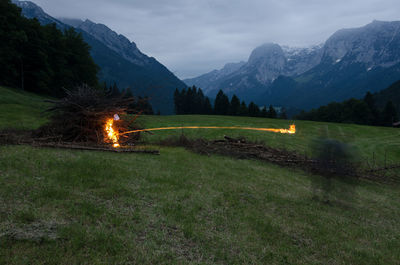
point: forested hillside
(41, 59)
(382, 108)
(391, 93)
(120, 61)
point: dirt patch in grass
(36, 231)
(14, 136)
(240, 148)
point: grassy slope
(21, 110)
(180, 208)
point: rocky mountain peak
(31, 10)
(301, 59)
(112, 40)
(28, 6)
(267, 62)
(266, 52)
(104, 33)
(373, 45)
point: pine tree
(178, 102)
(199, 102)
(283, 115)
(271, 112)
(389, 114)
(207, 109)
(105, 88)
(184, 108)
(115, 91)
(221, 105)
(244, 111)
(234, 106)
(13, 39)
(84, 69)
(254, 110)
(373, 113)
(264, 112)
(144, 106)
(127, 92)
(189, 101)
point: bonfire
(91, 117)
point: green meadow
(369, 141)
(85, 207)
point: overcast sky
(192, 37)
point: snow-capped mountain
(266, 63)
(350, 63)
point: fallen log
(235, 140)
(91, 148)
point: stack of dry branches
(81, 116)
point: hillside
(391, 93)
(21, 110)
(42, 59)
(373, 109)
(180, 207)
(119, 59)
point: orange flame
(111, 134)
(291, 130)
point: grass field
(21, 110)
(73, 207)
(366, 139)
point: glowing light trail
(291, 130)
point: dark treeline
(140, 105)
(193, 101)
(42, 59)
(364, 111)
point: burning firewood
(90, 115)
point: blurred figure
(335, 169)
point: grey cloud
(192, 37)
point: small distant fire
(292, 129)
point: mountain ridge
(117, 42)
(265, 64)
(350, 62)
(119, 59)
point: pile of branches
(333, 161)
(238, 148)
(81, 117)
